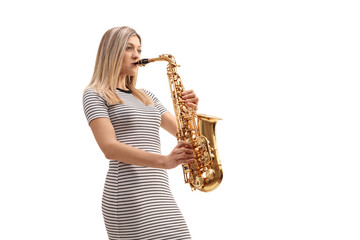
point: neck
(122, 82)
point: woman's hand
(191, 100)
(181, 154)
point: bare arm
(168, 122)
(105, 137)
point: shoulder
(90, 92)
(149, 93)
(90, 95)
(94, 105)
(146, 91)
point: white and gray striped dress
(137, 201)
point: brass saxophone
(205, 173)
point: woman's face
(132, 55)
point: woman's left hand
(191, 100)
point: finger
(196, 100)
(184, 156)
(193, 100)
(188, 95)
(187, 161)
(183, 153)
(187, 92)
(183, 150)
(184, 144)
(186, 151)
(191, 105)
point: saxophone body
(205, 173)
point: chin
(133, 74)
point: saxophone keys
(206, 155)
(209, 174)
(186, 168)
(198, 182)
(197, 149)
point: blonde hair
(108, 65)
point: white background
(283, 75)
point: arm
(105, 137)
(168, 122)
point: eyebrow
(134, 45)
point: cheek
(125, 62)
(126, 57)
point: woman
(137, 202)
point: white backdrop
(283, 75)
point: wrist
(163, 159)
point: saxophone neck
(164, 57)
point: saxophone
(205, 173)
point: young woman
(137, 202)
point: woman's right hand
(181, 154)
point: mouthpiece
(142, 62)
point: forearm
(127, 154)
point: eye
(128, 47)
(139, 51)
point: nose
(136, 55)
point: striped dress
(137, 202)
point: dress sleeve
(94, 105)
(157, 102)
